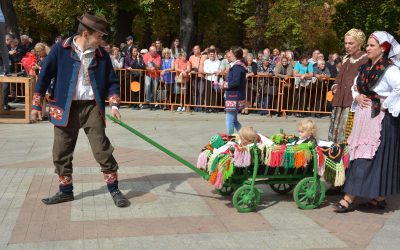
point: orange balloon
(135, 86)
(329, 96)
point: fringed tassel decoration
(288, 158)
(299, 159)
(219, 181)
(242, 158)
(307, 156)
(267, 160)
(340, 175)
(202, 159)
(213, 177)
(228, 170)
(321, 161)
(262, 151)
(334, 172)
(346, 159)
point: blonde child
(307, 130)
(247, 135)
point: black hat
(97, 23)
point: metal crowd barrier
(263, 94)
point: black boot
(119, 198)
(59, 197)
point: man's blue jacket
(63, 65)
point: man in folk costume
(83, 78)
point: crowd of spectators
(193, 78)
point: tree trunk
(148, 33)
(10, 16)
(186, 24)
(123, 26)
(261, 15)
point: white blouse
(388, 88)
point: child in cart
(307, 130)
(247, 135)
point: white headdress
(394, 52)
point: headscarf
(385, 39)
(370, 74)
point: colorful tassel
(242, 158)
(219, 181)
(346, 160)
(213, 177)
(202, 159)
(228, 171)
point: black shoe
(15, 100)
(119, 199)
(374, 204)
(59, 197)
(339, 208)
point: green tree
(367, 15)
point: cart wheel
(309, 193)
(246, 200)
(282, 188)
(226, 190)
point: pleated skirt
(379, 176)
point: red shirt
(155, 62)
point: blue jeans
(232, 122)
(150, 91)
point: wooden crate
(17, 116)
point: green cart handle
(157, 145)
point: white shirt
(388, 88)
(83, 88)
(210, 68)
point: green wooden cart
(309, 191)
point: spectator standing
(303, 73)
(197, 84)
(275, 56)
(135, 65)
(176, 48)
(332, 65)
(129, 43)
(159, 47)
(321, 86)
(211, 70)
(41, 51)
(26, 44)
(252, 84)
(314, 58)
(167, 74)
(116, 59)
(183, 69)
(267, 94)
(152, 61)
(284, 70)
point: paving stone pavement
(171, 207)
